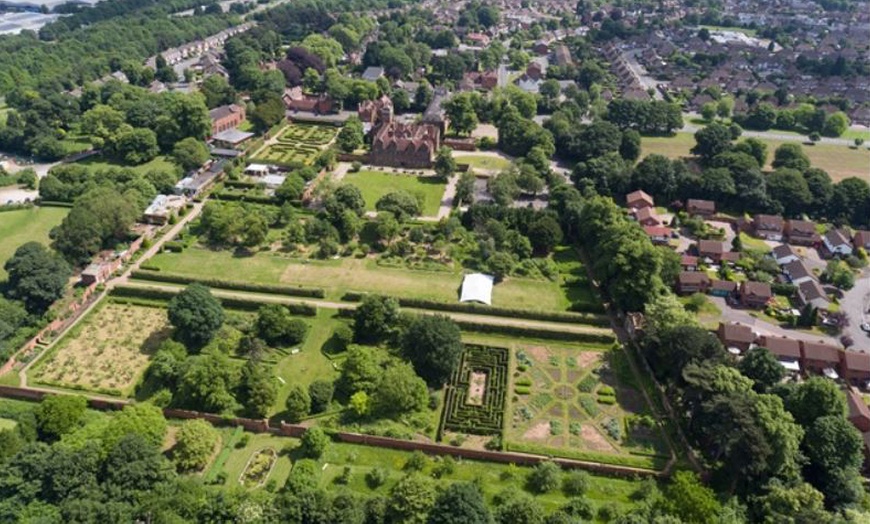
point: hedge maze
(298, 143)
(463, 409)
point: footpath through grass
(26, 225)
(375, 184)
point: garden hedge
(529, 332)
(487, 418)
(174, 278)
(480, 309)
(233, 196)
(306, 310)
(634, 460)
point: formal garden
(297, 144)
(582, 402)
(107, 352)
(475, 397)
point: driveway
(762, 327)
(855, 303)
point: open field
(363, 275)
(581, 402)
(160, 163)
(26, 225)
(839, 161)
(483, 162)
(375, 184)
(107, 352)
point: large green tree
(36, 276)
(433, 344)
(195, 443)
(460, 503)
(60, 414)
(196, 315)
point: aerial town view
(435, 261)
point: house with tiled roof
(638, 200)
(701, 208)
(861, 239)
(405, 145)
(812, 293)
(855, 367)
(784, 253)
(768, 227)
(797, 272)
(837, 243)
(733, 335)
(226, 117)
(801, 232)
(693, 282)
(786, 350)
(820, 358)
(755, 294)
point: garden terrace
(475, 397)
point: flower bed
(257, 469)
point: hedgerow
(485, 419)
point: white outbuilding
(477, 287)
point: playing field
(838, 160)
(25, 225)
(107, 352)
(363, 275)
(375, 184)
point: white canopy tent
(477, 287)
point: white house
(784, 254)
(837, 243)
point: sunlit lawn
(375, 184)
(160, 163)
(26, 225)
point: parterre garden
(582, 403)
(297, 144)
(107, 352)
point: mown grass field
(839, 161)
(26, 225)
(483, 162)
(362, 275)
(375, 184)
(160, 163)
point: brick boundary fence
(294, 430)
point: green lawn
(839, 161)
(852, 134)
(25, 225)
(161, 163)
(754, 243)
(6, 423)
(484, 162)
(363, 275)
(235, 463)
(375, 184)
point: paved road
(855, 303)
(730, 314)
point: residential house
(723, 288)
(731, 257)
(161, 208)
(859, 413)
(689, 263)
(435, 115)
(738, 336)
(478, 39)
(784, 253)
(861, 239)
(405, 145)
(376, 111)
(297, 100)
(711, 250)
(755, 294)
(483, 80)
(226, 117)
(535, 71)
(638, 200)
(797, 272)
(541, 48)
(855, 368)
(768, 227)
(801, 232)
(811, 292)
(701, 208)
(837, 243)
(95, 273)
(658, 234)
(562, 56)
(372, 73)
(646, 216)
(690, 282)
(820, 358)
(786, 350)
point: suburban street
(855, 303)
(742, 316)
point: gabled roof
(802, 227)
(687, 260)
(657, 231)
(724, 285)
(835, 237)
(796, 270)
(768, 222)
(855, 361)
(820, 351)
(694, 277)
(701, 205)
(645, 213)
(639, 196)
(736, 333)
(783, 251)
(781, 347)
(812, 291)
(711, 246)
(756, 289)
(862, 238)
